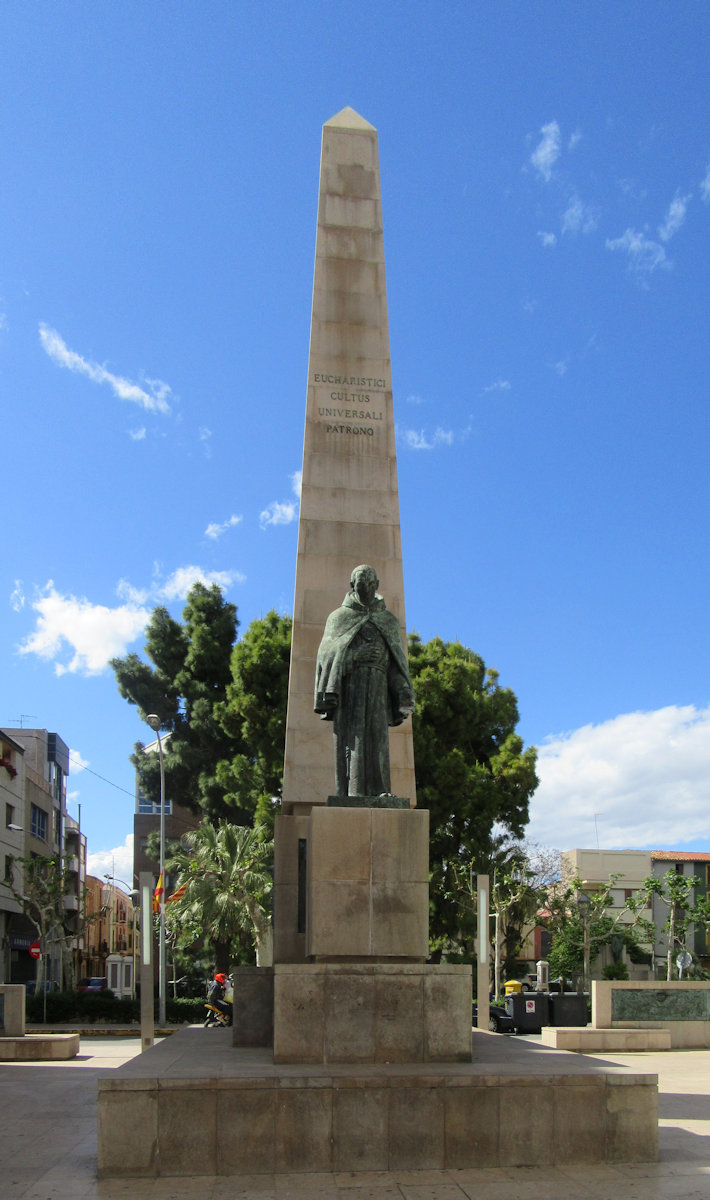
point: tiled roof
(679, 856)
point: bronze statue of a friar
(362, 686)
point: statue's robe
(363, 686)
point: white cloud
(283, 512)
(77, 764)
(278, 513)
(117, 862)
(546, 153)
(414, 399)
(179, 583)
(575, 139)
(705, 186)
(216, 529)
(17, 596)
(94, 632)
(579, 217)
(205, 435)
(547, 239)
(138, 435)
(560, 367)
(645, 775)
(417, 440)
(126, 591)
(674, 217)
(154, 399)
(644, 254)
(500, 385)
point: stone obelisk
(349, 498)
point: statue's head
(364, 583)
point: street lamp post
(154, 721)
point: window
(8, 868)
(148, 809)
(628, 894)
(38, 823)
(9, 815)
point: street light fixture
(154, 721)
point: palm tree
(227, 872)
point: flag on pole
(178, 894)
(157, 894)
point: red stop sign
(35, 950)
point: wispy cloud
(547, 239)
(17, 597)
(283, 512)
(546, 153)
(418, 440)
(674, 217)
(415, 399)
(645, 774)
(644, 255)
(500, 385)
(216, 529)
(205, 437)
(705, 186)
(138, 435)
(579, 217)
(560, 368)
(152, 397)
(574, 140)
(77, 763)
(279, 512)
(179, 583)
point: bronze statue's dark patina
(362, 686)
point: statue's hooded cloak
(333, 662)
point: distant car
(98, 983)
(48, 985)
(498, 1019)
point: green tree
(187, 676)
(684, 909)
(604, 921)
(253, 714)
(472, 773)
(44, 884)
(227, 872)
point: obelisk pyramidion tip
(347, 118)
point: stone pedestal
(372, 1013)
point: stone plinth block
(253, 1006)
(368, 883)
(371, 1013)
(12, 1009)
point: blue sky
(546, 197)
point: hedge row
(104, 1007)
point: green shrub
(615, 970)
(185, 1008)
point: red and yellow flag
(157, 894)
(178, 894)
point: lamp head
(154, 721)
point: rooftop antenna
(596, 830)
(23, 717)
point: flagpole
(154, 721)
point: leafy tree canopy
(472, 771)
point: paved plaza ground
(48, 1146)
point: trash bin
(569, 1008)
(513, 987)
(529, 1011)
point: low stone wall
(682, 1008)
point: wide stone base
(193, 1106)
(39, 1047)
(371, 1013)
